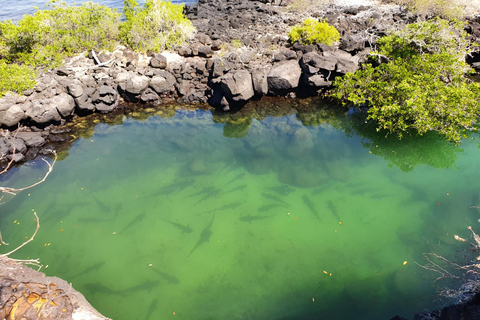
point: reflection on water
(301, 215)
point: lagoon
(307, 214)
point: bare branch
(29, 240)
(14, 151)
(12, 191)
(475, 236)
(1, 240)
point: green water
(287, 222)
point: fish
(333, 209)
(283, 190)
(151, 308)
(251, 218)
(103, 207)
(229, 206)
(269, 207)
(184, 229)
(320, 189)
(170, 279)
(94, 267)
(204, 236)
(237, 177)
(239, 188)
(98, 288)
(205, 190)
(228, 167)
(274, 198)
(212, 193)
(310, 206)
(134, 221)
(145, 286)
(171, 188)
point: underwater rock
(238, 129)
(301, 143)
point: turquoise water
(15, 9)
(303, 216)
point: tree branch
(29, 240)
(12, 191)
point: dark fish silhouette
(239, 188)
(171, 188)
(151, 308)
(320, 189)
(237, 177)
(95, 267)
(333, 209)
(228, 167)
(269, 207)
(283, 190)
(212, 193)
(134, 221)
(251, 218)
(203, 191)
(170, 279)
(184, 229)
(146, 286)
(229, 206)
(204, 236)
(103, 207)
(310, 206)
(274, 198)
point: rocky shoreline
(240, 52)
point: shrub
(49, 35)
(155, 26)
(423, 87)
(312, 31)
(450, 9)
(15, 78)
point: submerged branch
(26, 242)
(13, 191)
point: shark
(145, 286)
(103, 207)
(239, 188)
(269, 207)
(169, 278)
(274, 198)
(171, 188)
(184, 229)
(229, 206)
(151, 308)
(333, 209)
(134, 221)
(94, 267)
(310, 206)
(212, 193)
(283, 190)
(250, 218)
(237, 177)
(204, 236)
